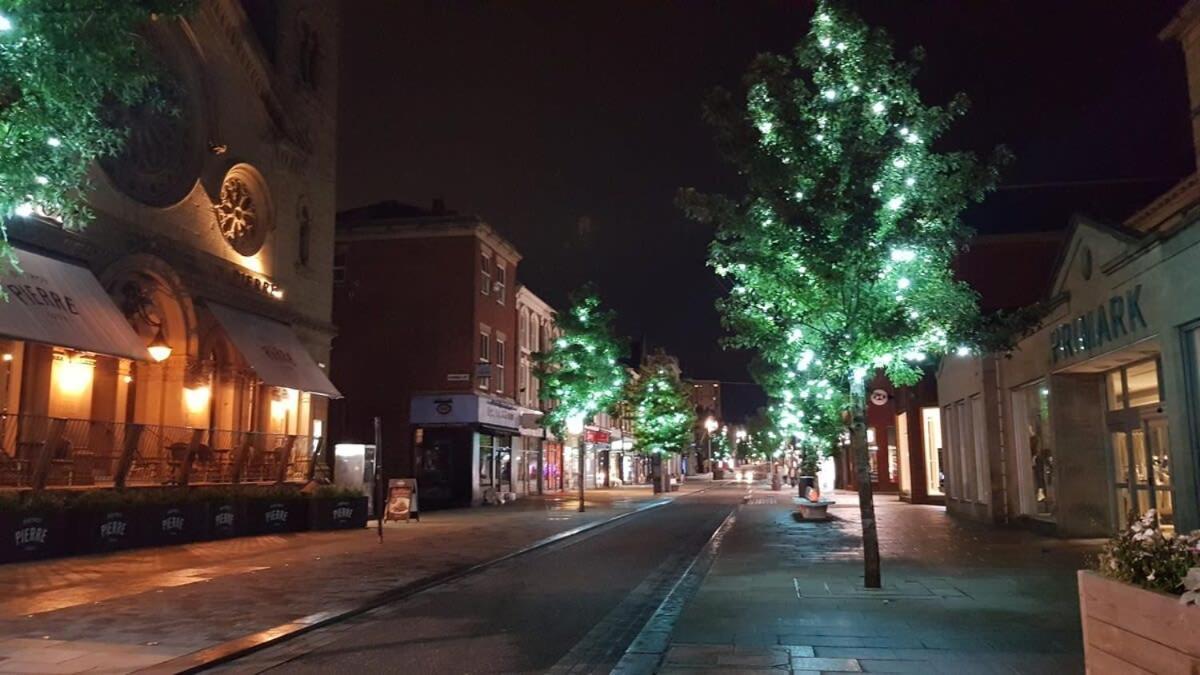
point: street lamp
(575, 428)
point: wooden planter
(1127, 629)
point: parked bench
(810, 510)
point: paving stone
(826, 665)
(956, 594)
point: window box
(1127, 629)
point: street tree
(63, 64)
(580, 374)
(663, 416)
(839, 253)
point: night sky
(569, 126)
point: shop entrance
(1139, 443)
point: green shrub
(1146, 556)
(335, 492)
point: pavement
(124, 611)
(958, 597)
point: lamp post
(575, 428)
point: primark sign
(1108, 322)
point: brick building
(425, 303)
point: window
(485, 343)
(982, 470)
(523, 329)
(523, 383)
(486, 458)
(485, 274)
(966, 449)
(501, 279)
(1036, 479)
(499, 365)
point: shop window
(1141, 381)
(982, 472)
(966, 449)
(486, 460)
(485, 274)
(1036, 477)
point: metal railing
(39, 452)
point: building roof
(397, 220)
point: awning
(273, 350)
(61, 304)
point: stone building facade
(213, 237)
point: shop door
(1141, 469)
(1140, 445)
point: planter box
(103, 530)
(275, 516)
(225, 519)
(166, 524)
(1127, 629)
(31, 535)
(337, 514)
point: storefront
(96, 394)
(1095, 415)
(464, 449)
(527, 454)
(552, 466)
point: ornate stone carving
(243, 212)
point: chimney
(1185, 28)
(439, 206)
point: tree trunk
(866, 497)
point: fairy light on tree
(580, 375)
(856, 275)
(60, 64)
(663, 417)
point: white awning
(60, 304)
(274, 351)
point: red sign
(596, 436)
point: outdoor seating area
(39, 452)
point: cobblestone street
(957, 597)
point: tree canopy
(581, 373)
(663, 416)
(61, 63)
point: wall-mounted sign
(483, 370)
(596, 436)
(1108, 322)
(458, 377)
(879, 397)
(464, 409)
